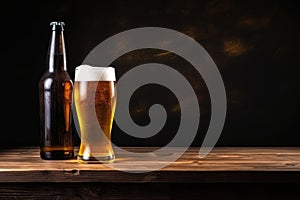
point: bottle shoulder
(50, 78)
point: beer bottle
(55, 98)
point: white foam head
(93, 73)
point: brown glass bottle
(55, 96)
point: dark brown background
(255, 45)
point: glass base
(96, 159)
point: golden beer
(95, 102)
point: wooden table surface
(222, 164)
(235, 173)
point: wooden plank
(157, 191)
(223, 164)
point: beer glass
(95, 103)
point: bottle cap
(57, 25)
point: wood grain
(223, 164)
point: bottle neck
(56, 57)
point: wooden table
(234, 172)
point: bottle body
(55, 97)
